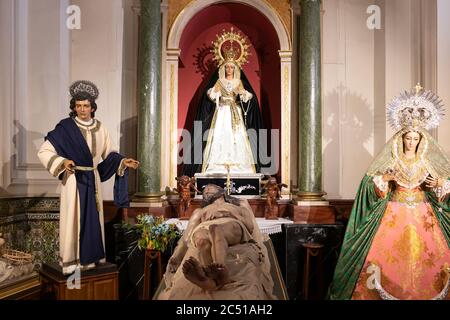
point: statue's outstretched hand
(131, 163)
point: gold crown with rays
(224, 48)
(417, 108)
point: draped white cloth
(265, 226)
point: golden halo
(231, 37)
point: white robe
(100, 145)
(226, 145)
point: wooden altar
(286, 209)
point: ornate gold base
(310, 196)
(148, 197)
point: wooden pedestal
(100, 283)
(151, 257)
(258, 206)
(136, 209)
(313, 214)
(337, 210)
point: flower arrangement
(154, 233)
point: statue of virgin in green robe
(397, 241)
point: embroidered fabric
(446, 187)
(122, 168)
(380, 183)
(444, 190)
(431, 158)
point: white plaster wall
(34, 65)
(5, 85)
(40, 104)
(39, 58)
(333, 81)
(443, 70)
(128, 130)
(348, 96)
(362, 71)
(400, 63)
(96, 55)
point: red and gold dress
(409, 251)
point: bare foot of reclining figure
(218, 272)
(194, 272)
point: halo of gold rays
(232, 37)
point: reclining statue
(221, 254)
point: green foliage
(154, 232)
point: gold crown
(230, 54)
(224, 50)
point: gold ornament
(230, 47)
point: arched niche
(198, 21)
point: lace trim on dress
(380, 183)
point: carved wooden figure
(273, 190)
(185, 185)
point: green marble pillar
(310, 113)
(149, 113)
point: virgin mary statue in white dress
(228, 144)
(230, 116)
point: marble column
(149, 113)
(310, 113)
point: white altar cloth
(265, 226)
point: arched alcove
(269, 71)
(196, 64)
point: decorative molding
(170, 130)
(8, 99)
(20, 83)
(173, 131)
(286, 87)
(18, 173)
(16, 218)
(20, 182)
(285, 56)
(43, 216)
(166, 113)
(295, 7)
(136, 10)
(280, 9)
(283, 10)
(173, 54)
(13, 206)
(286, 131)
(183, 18)
(164, 5)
